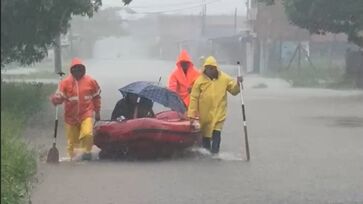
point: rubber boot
(216, 141)
(206, 143)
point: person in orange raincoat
(182, 78)
(80, 94)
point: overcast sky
(214, 7)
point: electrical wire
(179, 9)
(164, 5)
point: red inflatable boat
(167, 133)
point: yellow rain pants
(80, 135)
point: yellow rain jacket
(208, 99)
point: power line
(162, 5)
(179, 9)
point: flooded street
(302, 65)
(306, 147)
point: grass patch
(320, 76)
(43, 70)
(33, 75)
(18, 161)
(260, 86)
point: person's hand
(97, 116)
(239, 79)
(56, 99)
(191, 120)
(194, 124)
(121, 118)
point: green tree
(29, 27)
(321, 16)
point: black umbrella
(152, 91)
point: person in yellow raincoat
(208, 102)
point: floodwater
(306, 147)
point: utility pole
(299, 56)
(58, 54)
(204, 13)
(70, 39)
(250, 45)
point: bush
(320, 76)
(18, 161)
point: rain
(293, 134)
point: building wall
(354, 66)
(279, 39)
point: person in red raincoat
(182, 78)
(80, 94)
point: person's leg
(86, 137)
(72, 133)
(206, 143)
(216, 140)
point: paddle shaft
(243, 114)
(55, 125)
(56, 112)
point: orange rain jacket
(81, 97)
(180, 82)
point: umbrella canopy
(152, 91)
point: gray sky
(225, 7)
